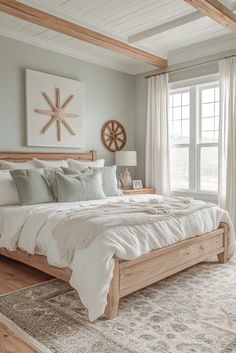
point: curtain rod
(190, 66)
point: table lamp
(126, 159)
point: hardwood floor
(13, 276)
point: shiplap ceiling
(167, 28)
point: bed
(131, 275)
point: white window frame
(194, 85)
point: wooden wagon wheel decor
(113, 135)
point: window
(193, 132)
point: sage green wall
(107, 94)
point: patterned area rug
(191, 312)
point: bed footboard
(223, 257)
(130, 276)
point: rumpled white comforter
(86, 235)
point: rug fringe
(22, 335)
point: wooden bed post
(223, 257)
(113, 296)
(94, 155)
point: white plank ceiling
(167, 28)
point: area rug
(191, 312)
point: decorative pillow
(50, 174)
(80, 187)
(70, 171)
(13, 165)
(80, 166)
(39, 163)
(109, 181)
(32, 186)
(8, 192)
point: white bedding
(36, 229)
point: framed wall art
(54, 109)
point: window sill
(209, 197)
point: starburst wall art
(54, 108)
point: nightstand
(139, 191)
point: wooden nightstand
(139, 191)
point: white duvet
(86, 235)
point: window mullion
(193, 141)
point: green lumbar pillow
(80, 187)
(32, 186)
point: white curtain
(227, 137)
(157, 147)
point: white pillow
(13, 165)
(109, 181)
(74, 164)
(39, 163)
(8, 191)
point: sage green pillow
(50, 174)
(32, 186)
(80, 187)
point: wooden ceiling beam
(44, 19)
(217, 11)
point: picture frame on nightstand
(137, 184)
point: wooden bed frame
(130, 276)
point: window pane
(208, 136)
(185, 112)
(185, 131)
(208, 110)
(179, 161)
(185, 98)
(177, 113)
(179, 118)
(209, 115)
(217, 108)
(208, 95)
(217, 94)
(208, 124)
(209, 169)
(177, 99)
(177, 129)
(217, 125)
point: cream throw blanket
(81, 227)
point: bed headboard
(26, 156)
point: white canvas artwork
(54, 107)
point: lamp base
(125, 179)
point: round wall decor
(113, 135)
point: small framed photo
(137, 184)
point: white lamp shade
(126, 158)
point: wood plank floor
(13, 276)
